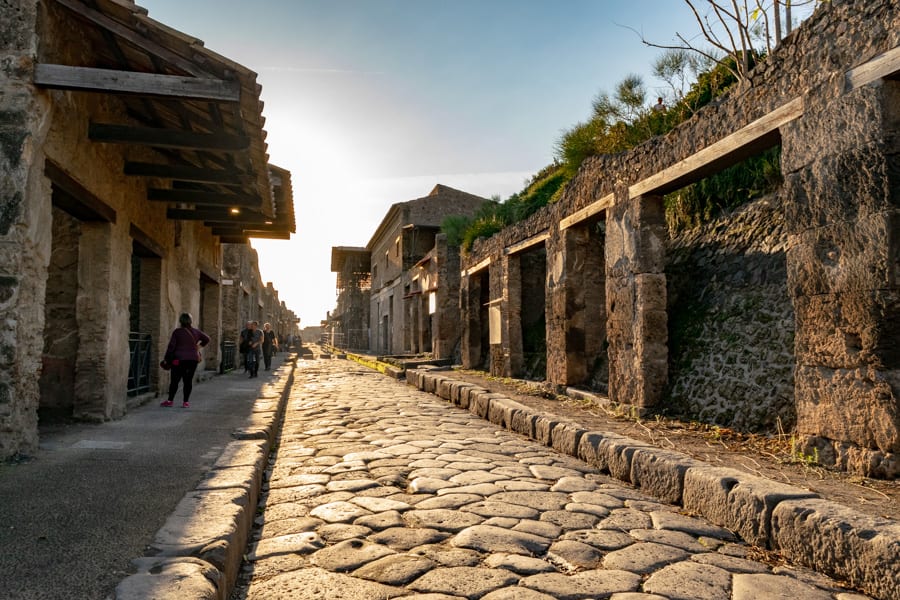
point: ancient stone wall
(829, 97)
(731, 324)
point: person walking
(269, 345)
(254, 346)
(243, 344)
(183, 355)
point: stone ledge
(823, 535)
(199, 549)
(172, 579)
(836, 540)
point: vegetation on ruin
(621, 121)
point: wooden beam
(132, 82)
(885, 64)
(588, 211)
(133, 37)
(233, 239)
(268, 235)
(200, 197)
(526, 243)
(481, 265)
(743, 143)
(74, 198)
(166, 138)
(146, 245)
(187, 173)
(210, 215)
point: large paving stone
(490, 508)
(481, 489)
(644, 557)
(448, 501)
(319, 584)
(732, 564)
(591, 509)
(678, 539)
(598, 498)
(570, 520)
(486, 538)
(536, 500)
(475, 477)
(441, 519)
(776, 587)
(339, 532)
(576, 483)
(552, 473)
(377, 505)
(542, 528)
(665, 519)
(287, 526)
(338, 512)
(573, 555)
(403, 538)
(522, 565)
(468, 582)
(351, 485)
(448, 556)
(583, 586)
(429, 485)
(398, 569)
(626, 519)
(384, 520)
(602, 539)
(690, 581)
(349, 555)
(297, 543)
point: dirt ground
(767, 456)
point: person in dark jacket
(254, 348)
(183, 355)
(269, 345)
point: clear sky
(372, 102)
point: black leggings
(184, 370)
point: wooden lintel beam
(200, 197)
(268, 235)
(214, 215)
(132, 82)
(187, 173)
(133, 37)
(75, 198)
(166, 138)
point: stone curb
(808, 530)
(382, 367)
(198, 551)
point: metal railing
(229, 351)
(140, 348)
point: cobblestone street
(381, 491)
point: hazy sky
(372, 102)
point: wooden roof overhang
(200, 112)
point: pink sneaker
(166, 403)
(185, 405)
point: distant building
(349, 321)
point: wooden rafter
(132, 82)
(201, 197)
(187, 173)
(166, 138)
(133, 37)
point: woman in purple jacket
(183, 354)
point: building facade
(130, 156)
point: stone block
(589, 449)
(857, 405)
(172, 579)
(243, 453)
(565, 437)
(737, 500)
(618, 451)
(543, 428)
(650, 291)
(467, 394)
(212, 525)
(523, 422)
(859, 118)
(834, 539)
(413, 377)
(502, 411)
(481, 403)
(661, 472)
(443, 388)
(456, 391)
(851, 256)
(849, 330)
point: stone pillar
(470, 315)
(842, 194)
(25, 217)
(576, 323)
(636, 300)
(446, 324)
(211, 323)
(99, 381)
(511, 316)
(498, 356)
